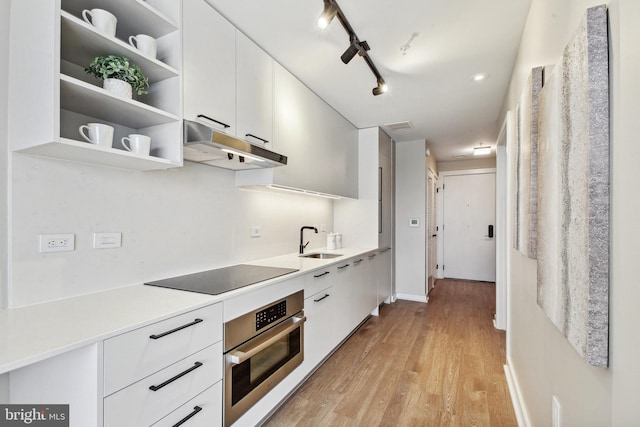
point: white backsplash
(172, 222)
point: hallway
(415, 365)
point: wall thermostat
(414, 222)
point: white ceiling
(431, 86)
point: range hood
(203, 144)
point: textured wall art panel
(527, 165)
(573, 191)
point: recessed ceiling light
(481, 151)
(480, 77)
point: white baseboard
(522, 417)
(411, 297)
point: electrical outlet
(256, 231)
(57, 242)
(555, 412)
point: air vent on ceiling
(399, 126)
(459, 155)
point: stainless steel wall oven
(261, 348)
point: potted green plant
(120, 75)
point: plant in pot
(120, 75)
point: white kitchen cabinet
(254, 90)
(370, 218)
(49, 102)
(204, 410)
(155, 370)
(320, 144)
(209, 66)
(147, 401)
(384, 276)
(319, 334)
(369, 290)
(346, 287)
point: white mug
(139, 144)
(104, 21)
(99, 134)
(145, 44)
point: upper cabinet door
(209, 61)
(254, 92)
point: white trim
(411, 297)
(502, 223)
(467, 172)
(519, 407)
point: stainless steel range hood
(203, 144)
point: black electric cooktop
(222, 280)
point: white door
(469, 214)
(431, 231)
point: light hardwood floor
(435, 364)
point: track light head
(327, 15)
(351, 51)
(381, 88)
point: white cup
(104, 21)
(139, 144)
(145, 44)
(99, 134)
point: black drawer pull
(196, 409)
(180, 375)
(179, 328)
(323, 274)
(321, 298)
(343, 266)
(358, 261)
(372, 256)
(214, 120)
(257, 137)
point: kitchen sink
(321, 255)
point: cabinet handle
(372, 256)
(321, 298)
(179, 328)
(196, 409)
(358, 261)
(180, 375)
(257, 137)
(214, 120)
(388, 249)
(320, 275)
(343, 266)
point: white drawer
(209, 414)
(138, 405)
(317, 280)
(135, 355)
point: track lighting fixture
(381, 88)
(331, 10)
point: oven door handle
(237, 357)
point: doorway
(432, 233)
(469, 218)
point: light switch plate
(414, 222)
(107, 240)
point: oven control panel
(271, 314)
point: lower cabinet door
(204, 410)
(319, 336)
(150, 399)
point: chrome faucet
(302, 246)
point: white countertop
(34, 333)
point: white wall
(459, 165)
(410, 203)
(4, 170)
(173, 222)
(543, 361)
